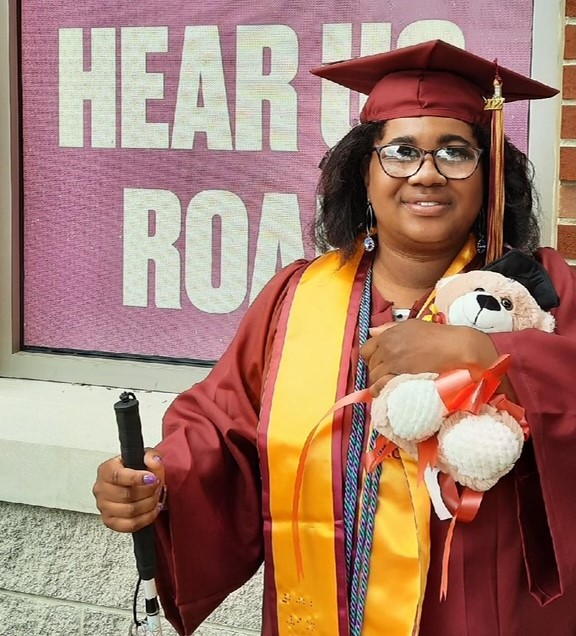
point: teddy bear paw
(410, 406)
(477, 450)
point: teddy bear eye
(479, 289)
(507, 303)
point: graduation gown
(512, 570)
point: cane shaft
(132, 452)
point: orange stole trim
(305, 387)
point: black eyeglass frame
(423, 154)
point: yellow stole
(308, 372)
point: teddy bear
(478, 439)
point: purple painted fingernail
(158, 459)
(150, 479)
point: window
(158, 169)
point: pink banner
(171, 150)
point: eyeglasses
(404, 160)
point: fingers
(129, 499)
(114, 472)
(380, 384)
(155, 462)
(129, 517)
(371, 345)
(379, 353)
(374, 331)
(381, 370)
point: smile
(430, 207)
(425, 202)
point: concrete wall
(64, 574)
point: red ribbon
(382, 449)
(464, 508)
(460, 392)
(440, 318)
(427, 455)
(502, 403)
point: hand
(417, 346)
(129, 499)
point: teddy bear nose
(488, 302)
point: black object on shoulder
(529, 272)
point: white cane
(132, 452)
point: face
(425, 212)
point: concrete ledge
(53, 436)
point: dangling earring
(481, 240)
(369, 242)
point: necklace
(358, 556)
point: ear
(444, 281)
(547, 322)
(530, 316)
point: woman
(354, 553)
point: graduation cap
(440, 80)
(530, 273)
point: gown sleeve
(209, 541)
(542, 374)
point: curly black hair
(343, 197)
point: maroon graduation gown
(512, 571)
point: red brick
(569, 82)
(567, 241)
(571, 8)
(567, 207)
(570, 42)
(568, 164)
(568, 122)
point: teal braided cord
(357, 433)
(361, 570)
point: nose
(427, 174)
(488, 302)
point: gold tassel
(495, 229)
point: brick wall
(567, 198)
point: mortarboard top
(434, 79)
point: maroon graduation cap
(440, 80)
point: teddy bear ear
(445, 281)
(547, 322)
(530, 273)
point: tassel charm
(497, 197)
